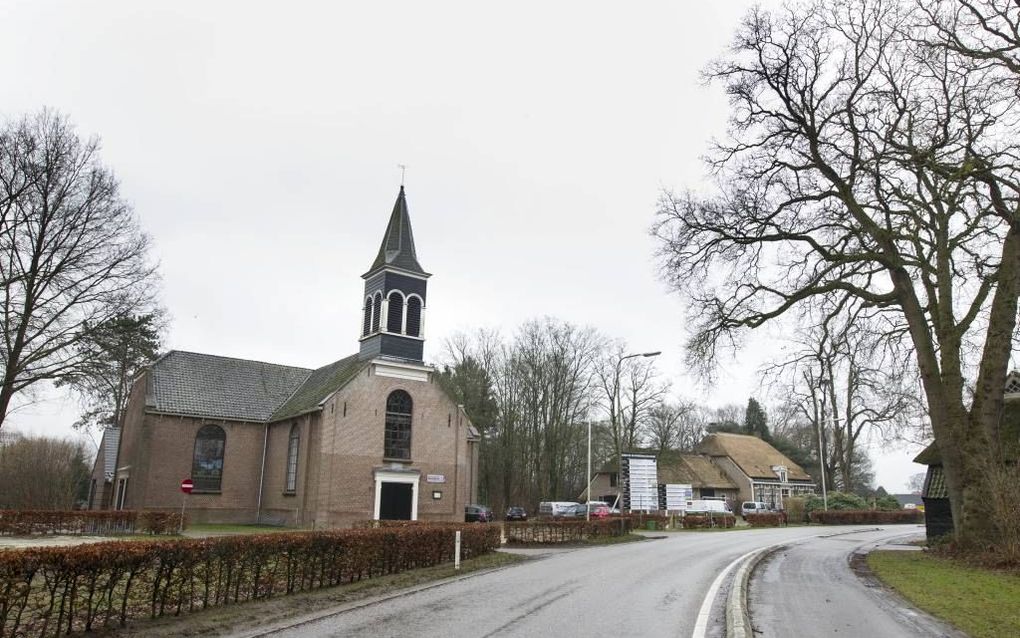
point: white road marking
(701, 626)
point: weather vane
(403, 168)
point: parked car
(577, 511)
(556, 509)
(516, 514)
(478, 514)
(753, 507)
(599, 510)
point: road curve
(811, 584)
(651, 588)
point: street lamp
(619, 453)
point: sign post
(186, 486)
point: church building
(369, 436)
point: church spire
(397, 248)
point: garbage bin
(650, 525)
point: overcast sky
(259, 146)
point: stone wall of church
(279, 506)
(353, 425)
(171, 440)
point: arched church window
(397, 443)
(376, 311)
(367, 324)
(207, 466)
(293, 443)
(414, 316)
(395, 314)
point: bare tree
(43, 473)
(71, 254)
(842, 382)
(865, 169)
(915, 485)
(628, 388)
(674, 426)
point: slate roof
(106, 456)
(206, 385)
(319, 385)
(397, 248)
(752, 455)
(935, 483)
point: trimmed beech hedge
(552, 532)
(60, 590)
(705, 521)
(95, 523)
(866, 517)
(765, 519)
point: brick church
(369, 436)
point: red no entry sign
(187, 486)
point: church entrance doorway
(396, 494)
(395, 501)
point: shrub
(553, 532)
(766, 519)
(55, 590)
(795, 509)
(837, 501)
(93, 523)
(866, 517)
(887, 502)
(704, 521)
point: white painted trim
(398, 370)
(388, 476)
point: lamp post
(615, 399)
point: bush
(837, 501)
(704, 521)
(887, 502)
(93, 523)
(866, 517)
(766, 519)
(553, 532)
(56, 590)
(796, 510)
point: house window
(207, 467)
(292, 455)
(613, 479)
(397, 443)
(395, 313)
(121, 493)
(414, 316)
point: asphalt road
(651, 588)
(811, 584)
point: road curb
(738, 616)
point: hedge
(766, 519)
(703, 521)
(59, 590)
(95, 523)
(866, 517)
(552, 532)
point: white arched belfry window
(367, 323)
(376, 311)
(414, 307)
(395, 312)
(293, 445)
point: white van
(556, 509)
(754, 507)
(707, 505)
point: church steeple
(397, 248)
(394, 311)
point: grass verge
(212, 529)
(261, 613)
(982, 603)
